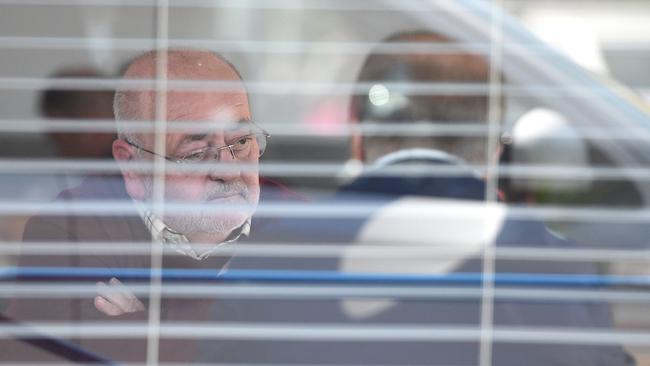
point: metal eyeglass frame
(261, 141)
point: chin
(207, 224)
(230, 222)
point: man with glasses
(208, 187)
(220, 198)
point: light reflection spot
(379, 95)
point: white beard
(207, 219)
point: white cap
(544, 138)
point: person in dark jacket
(420, 191)
(108, 225)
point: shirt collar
(422, 154)
(417, 154)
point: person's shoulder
(59, 220)
(96, 187)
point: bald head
(381, 69)
(192, 65)
(220, 109)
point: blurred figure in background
(381, 105)
(403, 173)
(83, 105)
(544, 138)
(65, 104)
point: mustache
(221, 189)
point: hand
(115, 299)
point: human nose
(222, 152)
(228, 165)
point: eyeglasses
(240, 148)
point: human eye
(194, 156)
(242, 142)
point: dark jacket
(444, 312)
(83, 230)
(267, 312)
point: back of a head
(438, 69)
(79, 104)
(59, 103)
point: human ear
(123, 153)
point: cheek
(252, 181)
(184, 188)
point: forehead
(204, 113)
(204, 106)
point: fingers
(129, 301)
(115, 299)
(106, 307)
(111, 296)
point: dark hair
(68, 102)
(455, 65)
